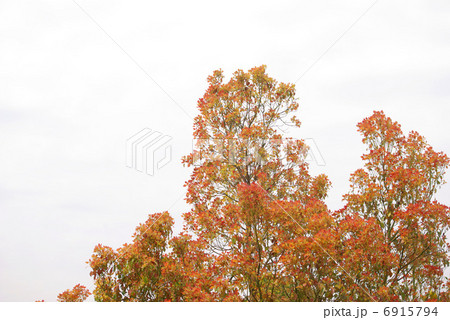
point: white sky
(70, 98)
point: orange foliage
(79, 293)
(259, 229)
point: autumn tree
(156, 267)
(79, 293)
(259, 229)
(246, 176)
(133, 272)
(395, 229)
(250, 189)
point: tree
(156, 267)
(243, 167)
(134, 271)
(248, 190)
(259, 229)
(79, 293)
(393, 197)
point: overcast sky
(76, 83)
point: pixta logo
(247, 151)
(148, 151)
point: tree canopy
(259, 228)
